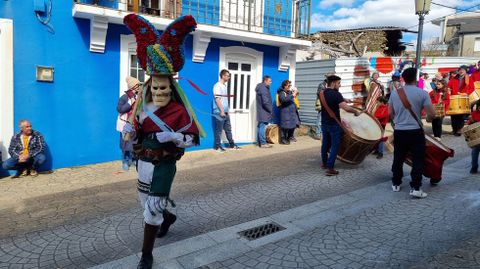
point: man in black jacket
(264, 110)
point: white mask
(161, 91)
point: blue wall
(77, 112)
(205, 75)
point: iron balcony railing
(278, 17)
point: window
(135, 70)
(476, 46)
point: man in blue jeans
(26, 151)
(264, 110)
(220, 112)
(331, 130)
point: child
(475, 117)
(382, 116)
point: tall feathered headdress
(160, 54)
(163, 54)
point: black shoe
(293, 139)
(285, 142)
(457, 134)
(474, 170)
(379, 155)
(146, 262)
(168, 220)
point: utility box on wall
(39, 6)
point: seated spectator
(26, 159)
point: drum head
(436, 143)
(363, 126)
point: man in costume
(164, 125)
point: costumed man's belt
(157, 155)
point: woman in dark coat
(288, 111)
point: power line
(459, 9)
(462, 11)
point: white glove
(164, 137)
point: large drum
(459, 105)
(475, 95)
(272, 132)
(365, 133)
(435, 155)
(472, 134)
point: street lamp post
(422, 7)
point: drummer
(439, 96)
(459, 84)
(408, 135)
(475, 117)
(331, 129)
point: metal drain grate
(261, 231)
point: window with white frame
(135, 70)
(476, 46)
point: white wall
(6, 85)
(310, 73)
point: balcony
(269, 22)
(290, 18)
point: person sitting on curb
(26, 151)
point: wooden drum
(475, 95)
(365, 133)
(459, 105)
(273, 134)
(435, 155)
(472, 134)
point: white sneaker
(418, 194)
(396, 188)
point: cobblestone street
(87, 216)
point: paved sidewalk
(368, 228)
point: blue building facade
(92, 52)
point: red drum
(435, 155)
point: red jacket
(475, 76)
(474, 117)
(463, 86)
(382, 114)
(435, 97)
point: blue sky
(345, 14)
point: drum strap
(407, 105)
(330, 111)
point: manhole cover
(261, 231)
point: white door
(242, 14)
(242, 89)
(6, 85)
